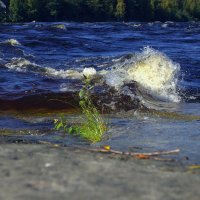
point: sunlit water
(147, 78)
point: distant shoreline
(99, 11)
(73, 21)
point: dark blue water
(73, 45)
(35, 59)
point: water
(147, 82)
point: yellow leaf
(106, 147)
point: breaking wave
(144, 78)
(24, 65)
(153, 73)
(21, 65)
(12, 42)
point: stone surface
(30, 171)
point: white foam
(23, 65)
(152, 70)
(19, 64)
(73, 74)
(164, 25)
(67, 87)
(115, 80)
(59, 26)
(12, 42)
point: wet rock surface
(35, 171)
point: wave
(24, 65)
(70, 73)
(21, 65)
(47, 101)
(145, 79)
(12, 42)
(59, 26)
(104, 100)
(51, 27)
(153, 72)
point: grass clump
(93, 126)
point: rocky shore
(38, 171)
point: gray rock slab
(31, 171)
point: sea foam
(12, 42)
(152, 70)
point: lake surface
(148, 83)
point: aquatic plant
(93, 126)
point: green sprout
(93, 126)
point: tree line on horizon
(99, 10)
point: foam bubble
(12, 42)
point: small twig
(156, 153)
(136, 155)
